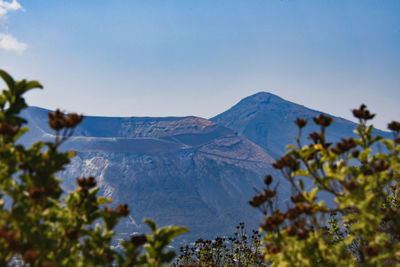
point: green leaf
(20, 133)
(71, 154)
(7, 79)
(300, 172)
(103, 200)
(173, 231)
(292, 147)
(152, 225)
(313, 193)
(301, 184)
(364, 155)
(168, 256)
(388, 144)
(150, 250)
(33, 84)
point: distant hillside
(177, 170)
(268, 120)
(186, 170)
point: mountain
(177, 170)
(186, 171)
(268, 120)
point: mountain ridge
(176, 170)
(268, 120)
(188, 170)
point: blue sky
(162, 58)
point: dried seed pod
(108, 210)
(317, 137)
(86, 183)
(268, 225)
(123, 210)
(72, 120)
(350, 185)
(323, 120)
(8, 129)
(355, 153)
(344, 146)
(363, 113)
(7, 234)
(71, 234)
(30, 256)
(380, 166)
(293, 213)
(257, 200)
(272, 249)
(56, 120)
(287, 161)
(268, 193)
(268, 179)
(302, 234)
(138, 239)
(309, 210)
(298, 198)
(278, 218)
(37, 192)
(394, 126)
(300, 122)
(372, 251)
(292, 230)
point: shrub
(361, 175)
(41, 228)
(241, 249)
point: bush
(241, 249)
(41, 228)
(361, 175)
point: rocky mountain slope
(177, 170)
(186, 170)
(268, 120)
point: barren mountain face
(186, 171)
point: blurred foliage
(40, 227)
(241, 249)
(360, 175)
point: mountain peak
(262, 94)
(268, 120)
(254, 104)
(262, 97)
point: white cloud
(5, 7)
(7, 41)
